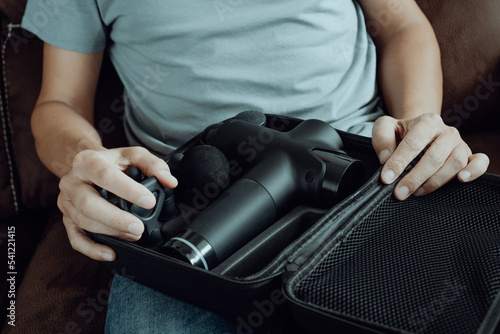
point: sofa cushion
(63, 291)
(26, 229)
(12, 10)
(486, 142)
(26, 183)
(468, 33)
(8, 204)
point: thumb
(384, 137)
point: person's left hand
(398, 142)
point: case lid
(428, 264)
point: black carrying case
(429, 264)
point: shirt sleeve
(74, 25)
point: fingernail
(389, 176)
(384, 155)
(465, 175)
(131, 237)
(419, 192)
(169, 177)
(402, 192)
(106, 256)
(147, 201)
(135, 228)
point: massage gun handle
(152, 218)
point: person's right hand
(85, 210)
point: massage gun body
(281, 170)
(284, 163)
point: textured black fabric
(426, 265)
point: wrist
(63, 162)
(413, 112)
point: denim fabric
(136, 309)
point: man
(187, 64)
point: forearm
(410, 78)
(60, 133)
(410, 74)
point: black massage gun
(282, 169)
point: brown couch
(60, 291)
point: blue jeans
(136, 309)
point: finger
(423, 132)
(384, 137)
(91, 225)
(150, 165)
(457, 161)
(430, 163)
(93, 213)
(83, 244)
(478, 164)
(94, 167)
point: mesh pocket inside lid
(426, 265)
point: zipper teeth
(255, 280)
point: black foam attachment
(201, 165)
(252, 116)
(249, 116)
